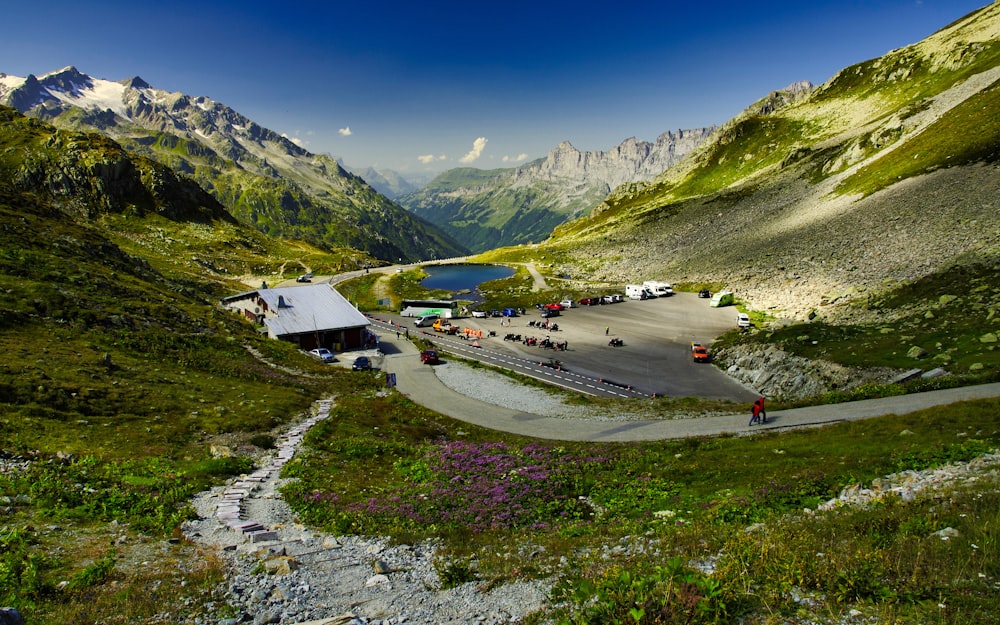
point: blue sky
(417, 86)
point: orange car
(699, 353)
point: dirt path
(539, 279)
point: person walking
(606, 330)
(763, 413)
(755, 413)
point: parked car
(705, 294)
(590, 301)
(554, 306)
(362, 363)
(306, 277)
(323, 354)
(550, 312)
(479, 314)
(509, 312)
(429, 357)
(567, 303)
(742, 320)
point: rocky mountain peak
(68, 79)
(136, 83)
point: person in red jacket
(757, 413)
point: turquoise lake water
(457, 278)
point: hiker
(755, 413)
(763, 413)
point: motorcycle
(616, 342)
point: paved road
(420, 384)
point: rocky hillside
(262, 178)
(886, 173)
(494, 208)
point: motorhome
(659, 289)
(638, 291)
(723, 298)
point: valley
(855, 221)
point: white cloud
(514, 159)
(477, 150)
(296, 140)
(427, 159)
(345, 131)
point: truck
(638, 291)
(443, 325)
(659, 289)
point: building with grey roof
(311, 316)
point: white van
(638, 291)
(424, 321)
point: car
(479, 314)
(742, 320)
(306, 277)
(550, 312)
(567, 303)
(322, 353)
(509, 312)
(362, 363)
(554, 306)
(705, 294)
(699, 353)
(429, 357)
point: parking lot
(655, 357)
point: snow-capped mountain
(262, 177)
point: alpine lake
(463, 279)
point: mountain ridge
(262, 177)
(824, 195)
(523, 204)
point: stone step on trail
(231, 507)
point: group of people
(757, 413)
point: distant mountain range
(261, 177)
(486, 209)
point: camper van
(424, 321)
(637, 291)
(659, 289)
(723, 298)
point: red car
(429, 357)
(555, 306)
(699, 353)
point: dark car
(509, 312)
(550, 312)
(704, 294)
(306, 277)
(362, 363)
(429, 357)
